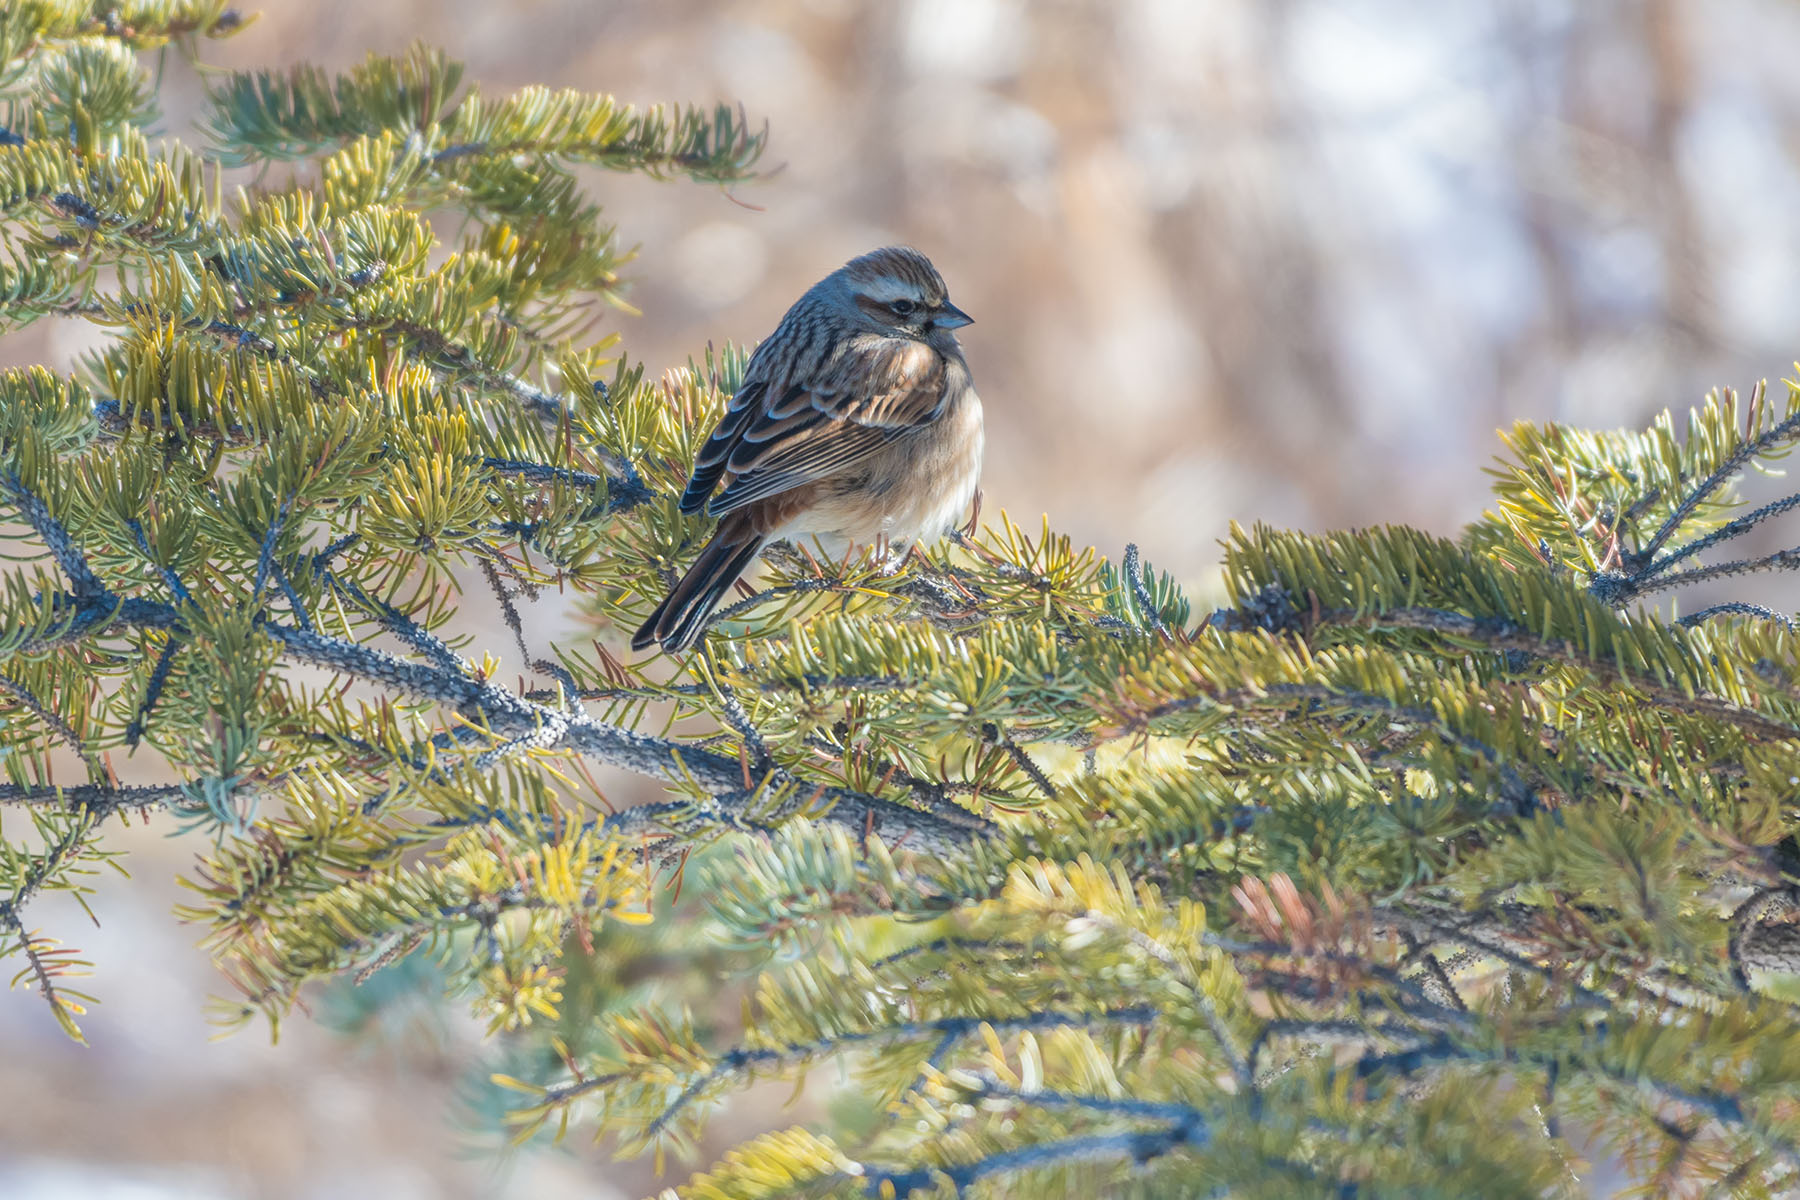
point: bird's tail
(678, 621)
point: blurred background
(1289, 260)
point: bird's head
(896, 291)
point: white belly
(915, 492)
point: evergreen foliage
(1417, 865)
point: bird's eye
(903, 308)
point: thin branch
(799, 587)
(1720, 1107)
(100, 799)
(992, 1089)
(1478, 932)
(56, 539)
(732, 709)
(53, 720)
(1215, 1021)
(265, 557)
(1136, 1147)
(396, 622)
(153, 690)
(1504, 635)
(1134, 573)
(1724, 533)
(1733, 463)
(743, 1058)
(509, 612)
(170, 579)
(1513, 787)
(45, 865)
(1735, 608)
(452, 356)
(535, 472)
(1440, 979)
(1781, 560)
(1001, 738)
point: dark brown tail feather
(678, 621)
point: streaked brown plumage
(856, 420)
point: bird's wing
(781, 432)
(709, 464)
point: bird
(857, 422)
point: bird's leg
(783, 554)
(889, 560)
(974, 522)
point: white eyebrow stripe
(886, 289)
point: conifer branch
(153, 689)
(1736, 608)
(1137, 1148)
(529, 724)
(1514, 789)
(1021, 759)
(51, 719)
(101, 800)
(1782, 432)
(1503, 635)
(990, 1088)
(1486, 935)
(56, 539)
(1443, 826)
(1731, 529)
(40, 871)
(1781, 560)
(1134, 571)
(744, 1059)
(1724, 1109)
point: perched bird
(856, 421)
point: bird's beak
(951, 317)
